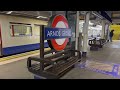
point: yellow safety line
(21, 55)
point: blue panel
(55, 33)
(22, 48)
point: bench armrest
(38, 60)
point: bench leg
(101, 46)
(84, 54)
(93, 48)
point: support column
(103, 29)
(80, 42)
(85, 34)
(77, 32)
(108, 37)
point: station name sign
(57, 33)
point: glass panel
(21, 30)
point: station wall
(116, 29)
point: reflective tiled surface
(101, 64)
(101, 67)
(109, 53)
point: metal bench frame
(57, 64)
(97, 43)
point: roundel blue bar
(57, 33)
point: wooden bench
(55, 65)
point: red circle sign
(59, 21)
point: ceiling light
(97, 14)
(41, 17)
(9, 12)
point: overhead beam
(105, 15)
(113, 18)
(115, 12)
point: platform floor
(109, 53)
(15, 70)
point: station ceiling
(30, 14)
(35, 14)
(115, 15)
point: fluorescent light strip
(41, 17)
(97, 14)
(9, 12)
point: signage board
(59, 33)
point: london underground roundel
(58, 21)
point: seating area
(56, 65)
(96, 44)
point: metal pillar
(108, 32)
(77, 32)
(103, 29)
(42, 46)
(85, 34)
(80, 42)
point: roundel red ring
(53, 41)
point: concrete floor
(78, 73)
(15, 70)
(109, 53)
